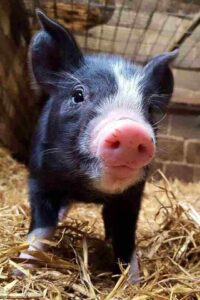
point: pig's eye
(77, 96)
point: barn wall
(16, 98)
(179, 146)
(108, 30)
(179, 134)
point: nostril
(114, 144)
(141, 149)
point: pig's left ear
(159, 77)
(53, 49)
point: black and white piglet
(95, 137)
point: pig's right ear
(53, 49)
(159, 77)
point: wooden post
(17, 103)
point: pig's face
(101, 108)
(118, 138)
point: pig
(95, 138)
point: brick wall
(178, 149)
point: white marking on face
(112, 185)
(127, 102)
(129, 94)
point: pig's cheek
(94, 142)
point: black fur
(59, 170)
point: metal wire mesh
(133, 28)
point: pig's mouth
(116, 179)
(120, 171)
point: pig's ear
(53, 49)
(159, 77)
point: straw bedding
(77, 265)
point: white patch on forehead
(128, 99)
(128, 94)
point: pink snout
(125, 143)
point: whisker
(159, 149)
(71, 76)
(50, 150)
(159, 121)
(53, 83)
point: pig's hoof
(134, 272)
(23, 271)
(134, 278)
(17, 273)
(133, 275)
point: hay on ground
(77, 265)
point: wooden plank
(189, 50)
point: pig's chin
(115, 180)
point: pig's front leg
(120, 216)
(46, 207)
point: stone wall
(178, 153)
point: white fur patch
(63, 213)
(128, 100)
(111, 185)
(129, 94)
(39, 233)
(34, 239)
(134, 272)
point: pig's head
(100, 116)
